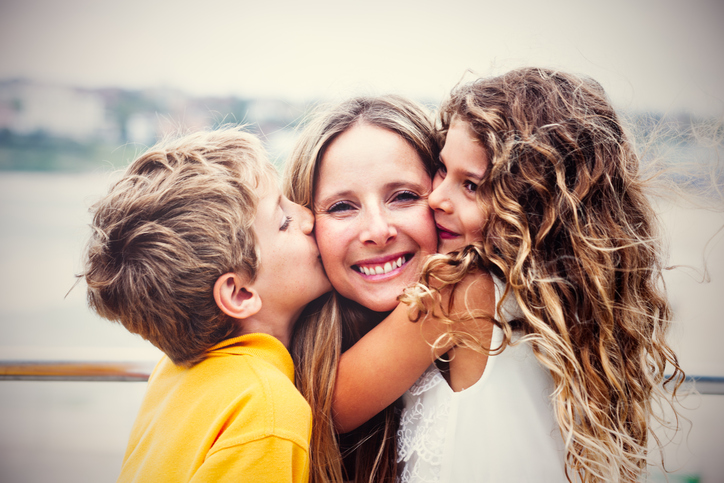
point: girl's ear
(234, 298)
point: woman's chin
(378, 305)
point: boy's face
(291, 273)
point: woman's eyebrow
(337, 194)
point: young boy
(196, 250)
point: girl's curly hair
(574, 235)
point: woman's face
(464, 161)
(373, 223)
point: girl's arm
(382, 365)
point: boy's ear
(234, 298)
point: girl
(540, 185)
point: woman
(364, 168)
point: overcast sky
(660, 54)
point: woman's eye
(340, 207)
(285, 223)
(406, 196)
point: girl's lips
(445, 234)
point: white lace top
(501, 429)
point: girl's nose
(439, 199)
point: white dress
(501, 429)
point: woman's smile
(391, 265)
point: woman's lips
(382, 266)
(446, 234)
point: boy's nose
(306, 220)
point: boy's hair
(180, 217)
(573, 234)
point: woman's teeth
(382, 269)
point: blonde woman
(364, 167)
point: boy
(195, 250)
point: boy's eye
(470, 186)
(285, 223)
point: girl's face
(373, 223)
(464, 162)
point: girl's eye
(406, 196)
(470, 186)
(441, 170)
(340, 207)
(285, 223)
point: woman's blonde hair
(316, 346)
(573, 234)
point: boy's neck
(277, 325)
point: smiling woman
(364, 167)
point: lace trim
(429, 379)
(421, 436)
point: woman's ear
(234, 298)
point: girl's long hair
(334, 323)
(573, 234)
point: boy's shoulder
(249, 377)
(236, 407)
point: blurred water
(76, 431)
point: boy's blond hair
(180, 217)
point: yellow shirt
(235, 416)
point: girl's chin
(447, 246)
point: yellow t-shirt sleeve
(271, 459)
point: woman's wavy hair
(573, 234)
(316, 347)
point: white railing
(140, 370)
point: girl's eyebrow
(464, 173)
(470, 174)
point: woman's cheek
(426, 232)
(330, 235)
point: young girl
(539, 184)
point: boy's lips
(444, 233)
(382, 265)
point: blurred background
(85, 86)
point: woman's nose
(378, 229)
